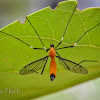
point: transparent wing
(34, 66)
(72, 66)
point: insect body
(40, 64)
(53, 66)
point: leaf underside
(50, 24)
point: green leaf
(50, 24)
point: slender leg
(66, 27)
(57, 54)
(36, 33)
(87, 61)
(21, 41)
(79, 38)
(64, 47)
(44, 67)
(81, 61)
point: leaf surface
(50, 25)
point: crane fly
(40, 64)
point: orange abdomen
(53, 66)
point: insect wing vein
(34, 66)
(72, 66)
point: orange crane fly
(53, 65)
(40, 64)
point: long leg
(82, 60)
(44, 67)
(66, 27)
(87, 61)
(72, 66)
(79, 38)
(34, 66)
(22, 41)
(57, 54)
(36, 33)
